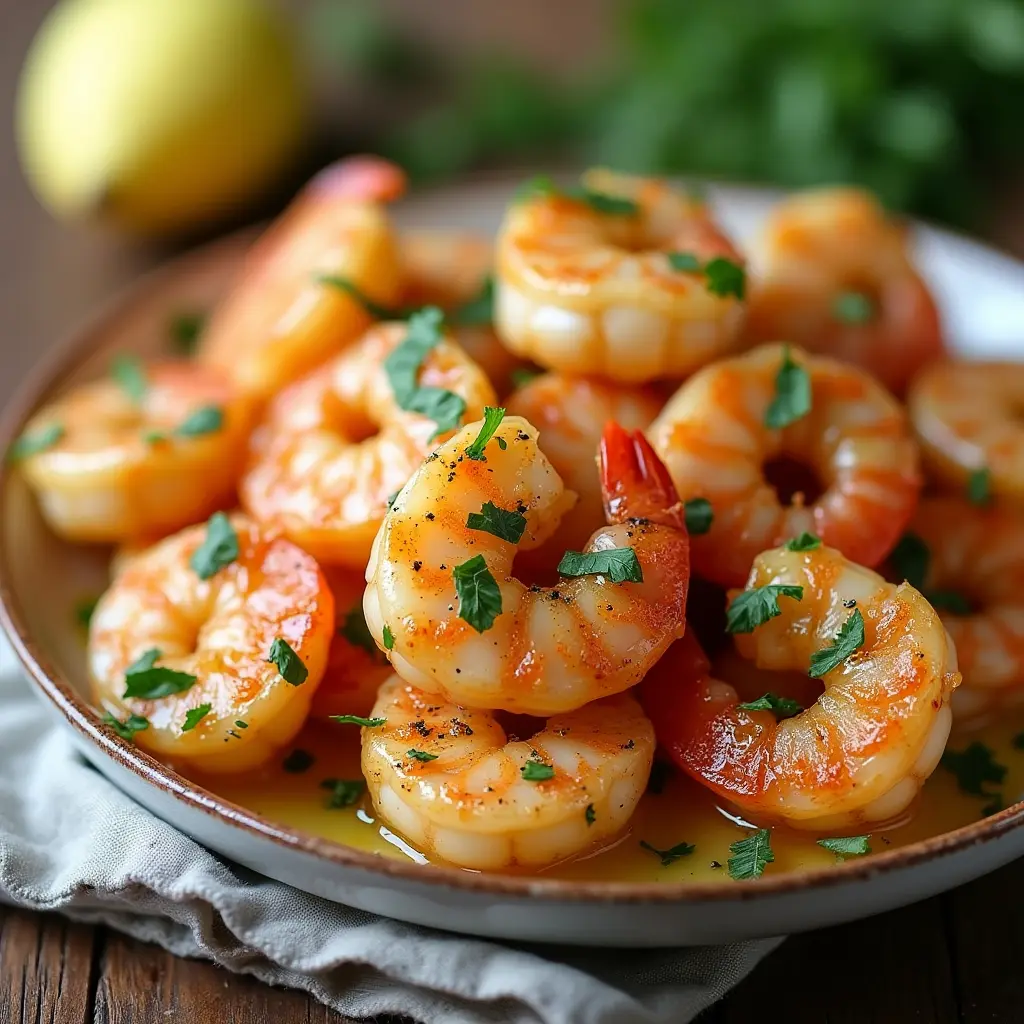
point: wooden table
(951, 960)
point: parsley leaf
(375, 309)
(420, 755)
(478, 592)
(699, 516)
(195, 715)
(206, 420)
(33, 444)
(505, 524)
(366, 723)
(537, 771)
(493, 416)
(620, 565)
(128, 728)
(979, 486)
(949, 601)
(590, 815)
(781, 707)
(847, 846)
(672, 854)
(849, 638)
(388, 637)
(298, 761)
(84, 610)
(542, 185)
(445, 408)
(725, 277)
(344, 792)
(186, 329)
(805, 542)
(853, 308)
(750, 856)
(154, 437)
(357, 633)
(684, 262)
(792, 399)
(149, 681)
(974, 767)
(522, 375)
(219, 547)
(480, 309)
(128, 371)
(288, 663)
(910, 559)
(751, 608)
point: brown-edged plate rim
(47, 377)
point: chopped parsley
(207, 420)
(219, 547)
(154, 437)
(493, 416)
(479, 310)
(522, 375)
(537, 771)
(195, 715)
(949, 601)
(751, 608)
(240, 724)
(288, 663)
(343, 792)
(853, 308)
(974, 767)
(672, 854)
(389, 638)
(84, 609)
(780, 707)
(699, 516)
(979, 486)
(375, 309)
(620, 565)
(130, 375)
(478, 592)
(722, 276)
(420, 755)
(847, 846)
(149, 681)
(751, 855)
(505, 524)
(684, 262)
(298, 761)
(792, 399)
(32, 444)
(366, 723)
(590, 814)
(910, 559)
(805, 542)
(128, 728)
(600, 202)
(186, 329)
(357, 633)
(849, 638)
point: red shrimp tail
(635, 483)
(362, 178)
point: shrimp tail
(362, 178)
(635, 483)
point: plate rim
(65, 358)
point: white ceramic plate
(981, 294)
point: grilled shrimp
(837, 278)
(442, 602)
(284, 316)
(967, 418)
(222, 669)
(461, 788)
(721, 440)
(126, 463)
(858, 756)
(336, 446)
(628, 279)
(973, 573)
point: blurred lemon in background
(156, 115)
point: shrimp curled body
(468, 801)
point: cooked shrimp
(213, 638)
(282, 318)
(853, 443)
(452, 270)
(124, 465)
(967, 418)
(355, 668)
(570, 413)
(336, 446)
(974, 575)
(442, 601)
(858, 756)
(632, 294)
(471, 798)
(837, 277)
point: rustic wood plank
(45, 969)
(889, 969)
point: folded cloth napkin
(71, 841)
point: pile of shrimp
(449, 490)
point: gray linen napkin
(71, 841)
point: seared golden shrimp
(626, 278)
(853, 444)
(570, 414)
(442, 602)
(462, 789)
(282, 318)
(223, 668)
(452, 270)
(123, 463)
(970, 562)
(858, 756)
(967, 418)
(837, 277)
(355, 668)
(336, 446)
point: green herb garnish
(620, 565)
(32, 444)
(672, 854)
(847, 846)
(751, 608)
(805, 542)
(344, 792)
(375, 309)
(288, 663)
(684, 262)
(207, 420)
(780, 707)
(357, 633)
(792, 399)
(949, 601)
(537, 771)
(979, 486)
(186, 329)
(725, 277)
(750, 856)
(493, 416)
(84, 609)
(853, 308)
(195, 715)
(590, 815)
(130, 375)
(910, 559)
(480, 309)
(366, 723)
(219, 547)
(974, 767)
(420, 755)
(298, 761)
(389, 638)
(522, 375)
(128, 728)
(699, 516)
(505, 524)
(478, 592)
(601, 202)
(148, 681)
(849, 638)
